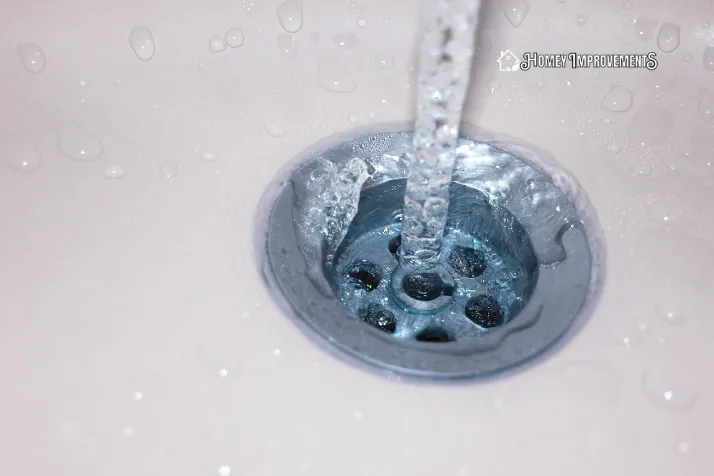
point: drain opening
(380, 318)
(434, 334)
(425, 286)
(512, 260)
(484, 311)
(468, 262)
(365, 275)
(394, 244)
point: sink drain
(521, 259)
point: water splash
(32, 57)
(668, 37)
(446, 52)
(326, 202)
(142, 42)
(290, 15)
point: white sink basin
(137, 335)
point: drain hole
(484, 311)
(394, 244)
(380, 318)
(468, 262)
(434, 334)
(423, 286)
(364, 274)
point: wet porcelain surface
(137, 139)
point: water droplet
(641, 170)
(248, 7)
(142, 42)
(629, 334)
(287, 45)
(668, 37)
(353, 119)
(613, 148)
(208, 156)
(708, 58)
(138, 396)
(671, 315)
(114, 171)
(333, 77)
(77, 143)
(606, 120)
(274, 129)
(361, 22)
(669, 387)
(581, 20)
(687, 57)
(290, 15)
(82, 83)
(127, 431)
(235, 37)
(515, 11)
(23, 159)
(665, 215)
(684, 447)
(32, 57)
(346, 40)
(645, 28)
(706, 105)
(651, 125)
(383, 61)
(276, 352)
(357, 415)
(493, 86)
(168, 170)
(617, 99)
(224, 471)
(216, 44)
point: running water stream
(327, 200)
(447, 45)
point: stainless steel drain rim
(543, 325)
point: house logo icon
(508, 61)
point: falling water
(447, 46)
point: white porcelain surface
(137, 337)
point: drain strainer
(521, 258)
